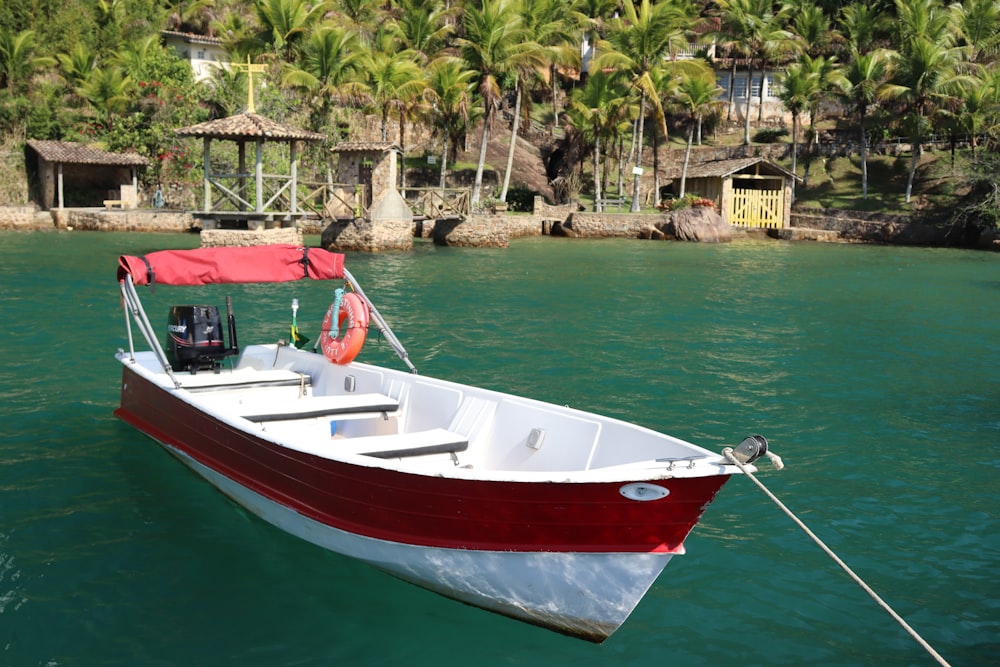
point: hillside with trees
(457, 72)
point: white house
(205, 54)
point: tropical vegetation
(917, 70)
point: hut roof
(69, 152)
(366, 147)
(244, 126)
(724, 168)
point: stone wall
(611, 225)
(101, 220)
(211, 238)
(25, 218)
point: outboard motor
(195, 340)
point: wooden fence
(757, 208)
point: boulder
(697, 223)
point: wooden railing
(333, 200)
(439, 203)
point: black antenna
(234, 348)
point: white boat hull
(587, 595)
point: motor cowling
(195, 338)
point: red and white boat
(540, 512)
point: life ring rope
(351, 307)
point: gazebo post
(206, 156)
(294, 149)
(242, 168)
(259, 171)
(59, 182)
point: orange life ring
(343, 350)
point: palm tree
(77, 64)
(814, 29)
(495, 46)
(422, 28)
(796, 91)
(861, 24)
(978, 111)
(558, 30)
(637, 43)
(859, 86)
(925, 77)
(327, 70)
(451, 104)
(106, 90)
(542, 20)
(189, 15)
(697, 96)
(756, 32)
(594, 111)
(927, 19)
(285, 23)
(17, 59)
(392, 79)
(979, 24)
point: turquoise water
(873, 371)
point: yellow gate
(757, 208)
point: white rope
(728, 453)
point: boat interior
(300, 400)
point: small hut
(78, 175)
(370, 164)
(750, 192)
(228, 197)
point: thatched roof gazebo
(236, 203)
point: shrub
(769, 135)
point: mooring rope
(728, 453)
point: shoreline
(496, 230)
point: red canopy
(257, 264)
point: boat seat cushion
(308, 407)
(416, 443)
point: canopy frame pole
(141, 321)
(383, 326)
(128, 324)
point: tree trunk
(795, 149)
(656, 167)
(687, 157)
(746, 116)
(864, 157)
(444, 160)
(555, 99)
(638, 155)
(402, 154)
(732, 92)
(760, 98)
(914, 151)
(477, 186)
(513, 144)
(598, 207)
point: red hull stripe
(418, 509)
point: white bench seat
(248, 378)
(416, 443)
(309, 407)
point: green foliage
(521, 198)
(769, 135)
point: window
(740, 86)
(755, 87)
(769, 89)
